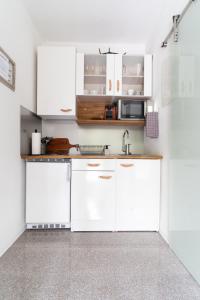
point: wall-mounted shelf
(109, 99)
(132, 76)
(95, 75)
(91, 111)
(112, 122)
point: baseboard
(165, 237)
(13, 240)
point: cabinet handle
(118, 85)
(93, 165)
(110, 85)
(105, 177)
(126, 165)
(66, 110)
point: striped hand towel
(152, 125)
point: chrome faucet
(125, 146)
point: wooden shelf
(94, 95)
(132, 76)
(95, 75)
(106, 98)
(112, 122)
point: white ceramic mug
(130, 92)
(93, 92)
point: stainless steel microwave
(130, 109)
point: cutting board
(59, 146)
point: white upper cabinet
(148, 73)
(56, 80)
(137, 75)
(98, 74)
(114, 75)
(110, 75)
(91, 73)
(118, 75)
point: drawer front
(126, 164)
(93, 164)
(138, 165)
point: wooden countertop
(111, 156)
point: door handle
(105, 177)
(65, 110)
(93, 165)
(110, 85)
(126, 165)
(118, 85)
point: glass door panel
(95, 75)
(182, 95)
(132, 75)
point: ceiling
(99, 21)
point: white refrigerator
(48, 193)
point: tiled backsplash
(92, 135)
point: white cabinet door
(148, 61)
(118, 75)
(114, 74)
(138, 194)
(93, 201)
(110, 74)
(56, 81)
(48, 193)
(80, 74)
(113, 66)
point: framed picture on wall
(7, 70)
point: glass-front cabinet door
(95, 75)
(114, 75)
(132, 75)
(91, 74)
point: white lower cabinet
(137, 195)
(115, 195)
(93, 198)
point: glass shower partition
(183, 97)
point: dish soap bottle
(106, 150)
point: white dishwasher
(48, 193)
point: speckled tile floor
(61, 265)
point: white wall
(93, 48)
(19, 40)
(161, 145)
